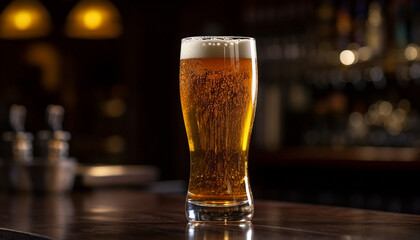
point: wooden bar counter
(133, 214)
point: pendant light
(24, 19)
(94, 19)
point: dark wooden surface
(361, 157)
(131, 214)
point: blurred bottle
(18, 143)
(52, 144)
(375, 37)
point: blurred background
(337, 117)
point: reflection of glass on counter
(231, 231)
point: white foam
(218, 47)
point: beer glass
(218, 88)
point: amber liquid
(218, 97)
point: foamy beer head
(218, 47)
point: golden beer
(218, 97)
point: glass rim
(219, 38)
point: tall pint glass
(218, 88)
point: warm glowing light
(103, 171)
(411, 52)
(103, 209)
(92, 19)
(23, 20)
(365, 53)
(385, 108)
(347, 57)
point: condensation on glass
(218, 88)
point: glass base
(238, 212)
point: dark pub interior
(337, 119)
